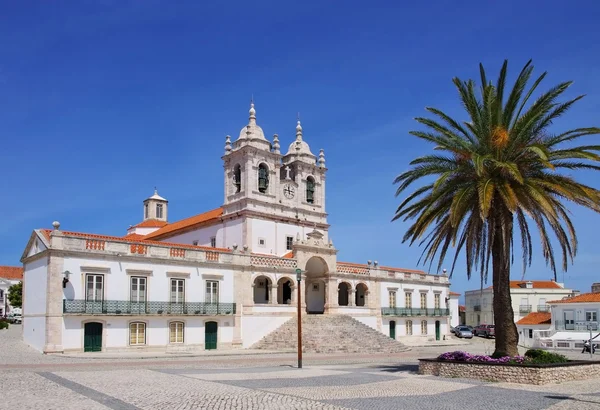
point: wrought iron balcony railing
(543, 308)
(477, 308)
(414, 312)
(580, 326)
(524, 308)
(125, 307)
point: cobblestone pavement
(33, 381)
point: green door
(437, 330)
(393, 329)
(210, 335)
(92, 337)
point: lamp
(66, 278)
(298, 274)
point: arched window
(263, 178)
(310, 190)
(237, 178)
(176, 332)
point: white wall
(35, 278)
(116, 331)
(117, 280)
(255, 328)
(417, 289)
(370, 321)
(34, 332)
(274, 234)
(454, 313)
(227, 234)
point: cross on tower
(287, 172)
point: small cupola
(155, 207)
(529, 285)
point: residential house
(9, 275)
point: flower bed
(520, 369)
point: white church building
(224, 278)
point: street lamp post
(299, 279)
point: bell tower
(155, 208)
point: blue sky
(100, 101)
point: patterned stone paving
(280, 387)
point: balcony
(524, 308)
(543, 308)
(414, 312)
(126, 308)
(477, 308)
(579, 326)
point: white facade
(526, 296)
(222, 279)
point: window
(94, 288)
(263, 178)
(261, 242)
(423, 300)
(195, 243)
(159, 211)
(409, 328)
(237, 178)
(145, 211)
(392, 298)
(591, 316)
(310, 190)
(436, 301)
(177, 290)
(137, 333)
(212, 291)
(138, 289)
(289, 242)
(484, 302)
(408, 299)
(176, 332)
(530, 333)
(213, 242)
(423, 327)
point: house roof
(176, 227)
(536, 318)
(462, 308)
(11, 272)
(136, 236)
(536, 284)
(151, 223)
(454, 294)
(134, 239)
(583, 298)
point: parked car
(485, 331)
(463, 332)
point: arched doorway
(262, 290)
(361, 294)
(315, 292)
(92, 337)
(210, 335)
(284, 291)
(343, 289)
(392, 329)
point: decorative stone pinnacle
(56, 225)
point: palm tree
(498, 170)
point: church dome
(299, 146)
(252, 130)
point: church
(225, 278)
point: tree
(499, 170)
(15, 295)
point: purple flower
(459, 356)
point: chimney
(596, 287)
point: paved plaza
(34, 381)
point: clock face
(288, 191)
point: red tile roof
(11, 272)
(462, 308)
(454, 294)
(131, 238)
(151, 223)
(135, 236)
(537, 284)
(193, 221)
(536, 318)
(289, 255)
(583, 298)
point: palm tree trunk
(507, 337)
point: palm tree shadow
(570, 398)
(410, 368)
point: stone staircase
(329, 334)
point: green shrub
(538, 356)
(3, 324)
